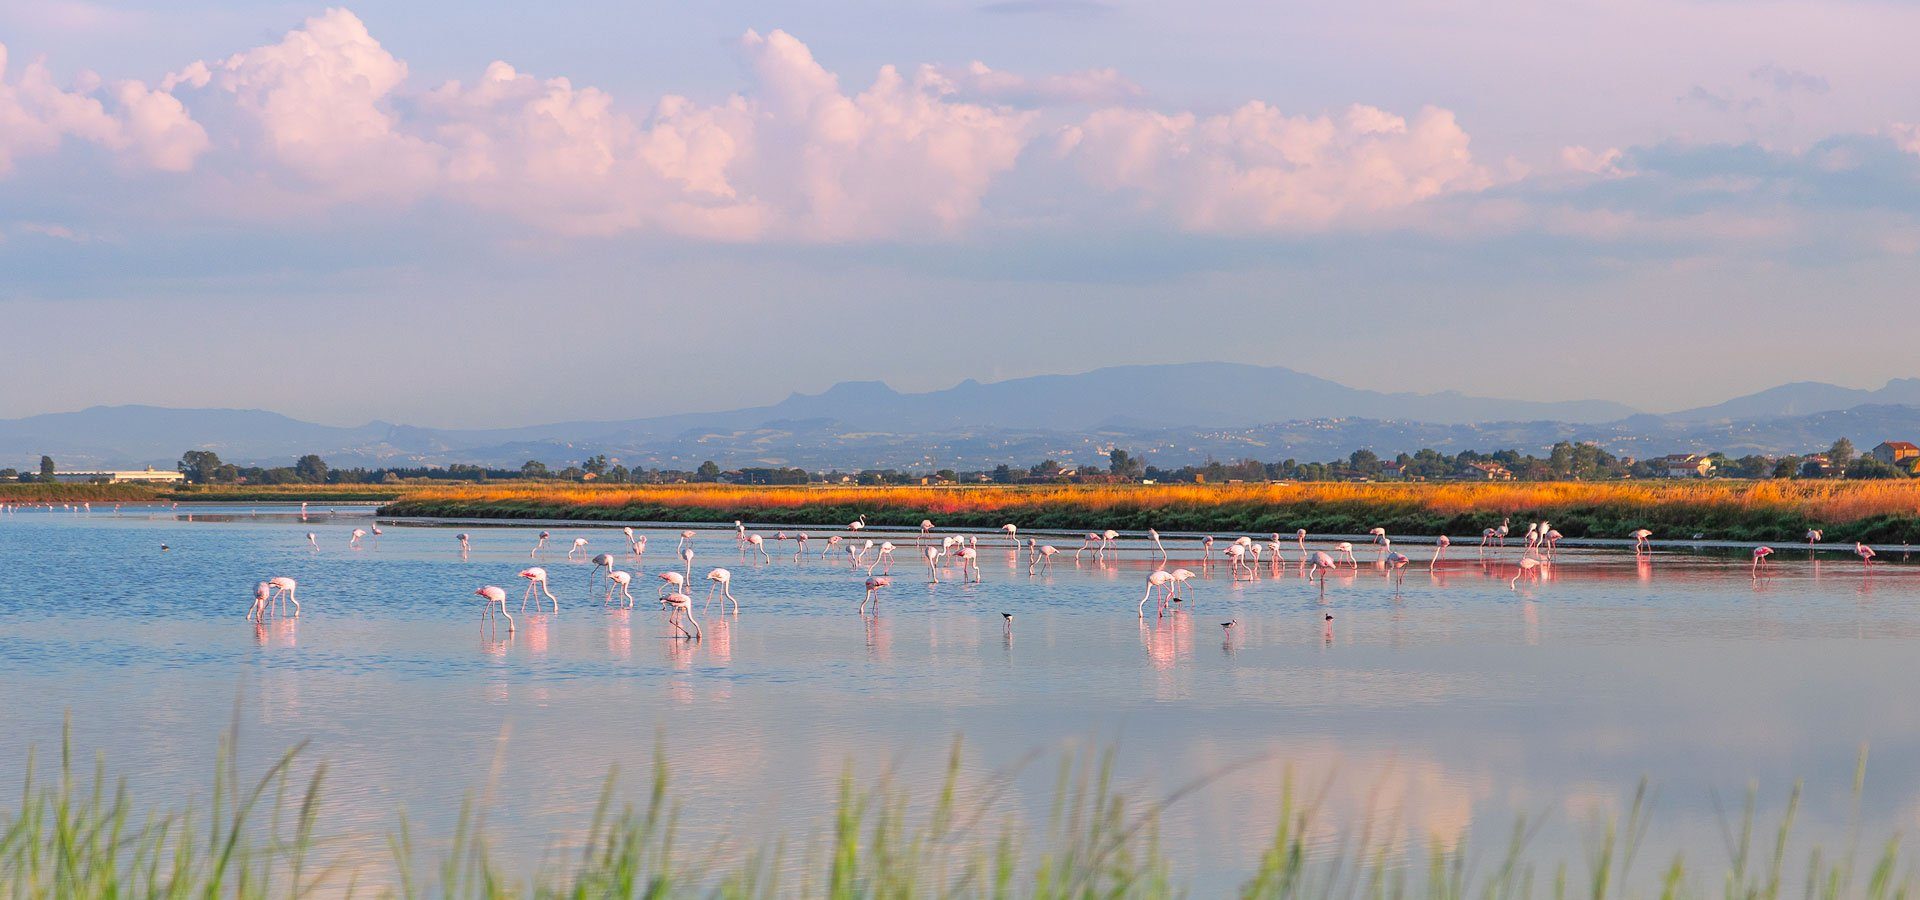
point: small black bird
(1228, 624)
(164, 548)
(1329, 617)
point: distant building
(1486, 471)
(149, 474)
(1894, 453)
(1686, 465)
(1816, 466)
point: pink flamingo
(604, 560)
(313, 541)
(258, 611)
(1529, 568)
(1864, 552)
(1322, 563)
(673, 580)
(1107, 539)
(1397, 564)
(1180, 579)
(284, 587)
(1300, 537)
(678, 605)
(685, 538)
(1086, 543)
(1440, 545)
(1640, 540)
(799, 545)
(464, 546)
(832, 542)
(759, 543)
(1043, 557)
(376, 534)
(1501, 533)
(1813, 537)
(933, 570)
(628, 531)
(1012, 532)
(1154, 536)
(1379, 534)
(1345, 548)
(1206, 551)
(1760, 555)
(491, 596)
(639, 546)
(1236, 559)
(885, 556)
(969, 560)
(579, 545)
(1553, 540)
(858, 524)
(537, 581)
(619, 584)
(1160, 579)
(926, 525)
(874, 585)
(722, 581)
(354, 541)
(540, 544)
(686, 555)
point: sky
(493, 213)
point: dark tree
(199, 465)
(533, 468)
(46, 468)
(708, 471)
(311, 469)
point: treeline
(1565, 461)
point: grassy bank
(77, 835)
(1884, 511)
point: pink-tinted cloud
(142, 126)
(1257, 169)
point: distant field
(1736, 510)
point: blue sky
(488, 213)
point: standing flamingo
(874, 585)
(1813, 537)
(258, 611)
(376, 534)
(1045, 558)
(628, 531)
(579, 546)
(1640, 539)
(969, 561)
(686, 555)
(1322, 564)
(1529, 568)
(1501, 533)
(1154, 536)
(1345, 548)
(491, 596)
(1397, 565)
(686, 537)
(759, 543)
(1300, 537)
(799, 545)
(884, 556)
(722, 581)
(284, 587)
(604, 560)
(858, 524)
(639, 546)
(540, 544)
(1864, 552)
(1160, 579)
(833, 540)
(1440, 545)
(678, 605)
(1180, 579)
(673, 580)
(1012, 532)
(354, 540)
(313, 541)
(1206, 551)
(1107, 539)
(926, 525)
(1760, 555)
(933, 571)
(619, 584)
(537, 581)
(1379, 534)
(1236, 560)
(464, 545)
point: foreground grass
(78, 837)
(1880, 511)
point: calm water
(1442, 709)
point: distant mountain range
(1171, 414)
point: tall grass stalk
(76, 835)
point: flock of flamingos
(1242, 555)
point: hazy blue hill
(1173, 414)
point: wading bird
(619, 584)
(874, 585)
(1813, 537)
(354, 539)
(628, 531)
(674, 580)
(1397, 566)
(313, 541)
(1760, 555)
(1864, 552)
(1640, 539)
(1345, 548)
(686, 537)
(722, 581)
(1440, 545)
(464, 545)
(969, 564)
(1379, 534)
(858, 524)
(885, 556)
(490, 597)
(1300, 537)
(1322, 564)
(933, 570)
(1154, 536)
(579, 546)
(1045, 558)
(1529, 568)
(540, 544)
(604, 560)
(686, 555)
(926, 525)
(537, 581)
(258, 611)
(284, 587)
(678, 605)
(1159, 580)
(759, 543)
(1012, 532)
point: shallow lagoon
(1440, 709)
